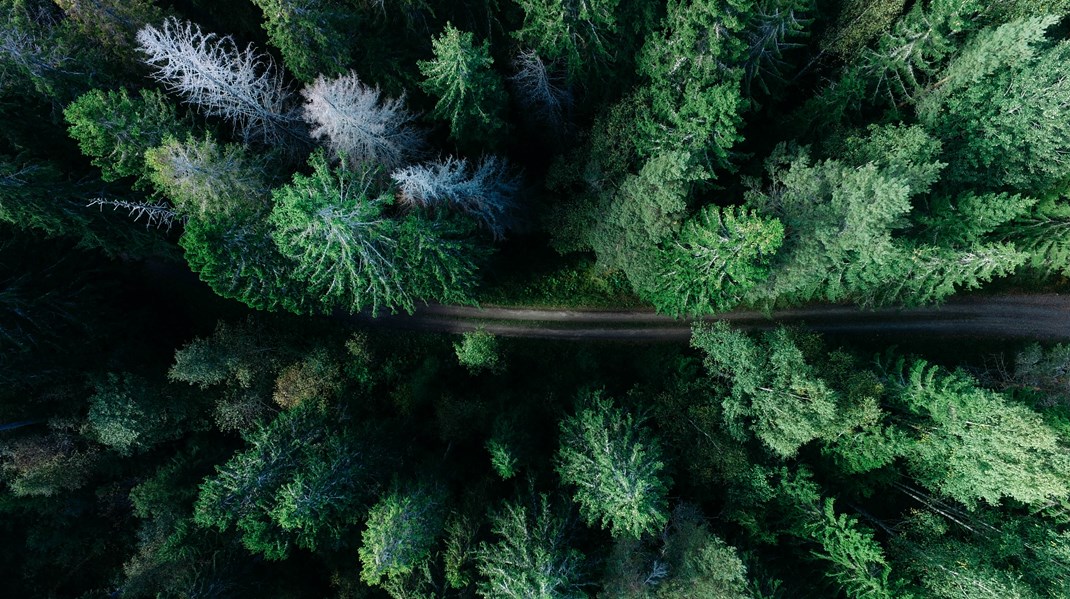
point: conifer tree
(311, 35)
(116, 130)
(470, 94)
(578, 32)
(484, 192)
(714, 262)
(398, 535)
(531, 556)
(615, 466)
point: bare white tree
(241, 86)
(539, 88)
(356, 121)
(487, 194)
(156, 215)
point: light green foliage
(969, 217)
(115, 129)
(843, 224)
(774, 394)
(478, 351)
(615, 465)
(1044, 236)
(858, 23)
(578, 32)
(999, 108)
(351, 255)
(208, 180)
(625, 229)
(312, 35)
(333, 228)
(301, 482)
(129, 415)
(693, 101)
(854, 559)
(470, 94)
(971, 444)
(719, 256)
(502, 459)
(459, 552)
(398, 536)
(531, 558)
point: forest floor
(1043, 317)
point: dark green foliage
(116, 130)
(579, 33)
(615, 466)
(693, 101)
(302, 481)
(311, 35)
(470, 95)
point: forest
(207, 205)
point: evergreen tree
(302, 481)
(487, 194)
(531, 557)
(311, 35)
(398, 536)
(615, 466)
(470, 94)
(578, 32)
(715, 261)
(998, 109)
(116, 130)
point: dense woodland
(197, 195)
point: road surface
(1040, 317)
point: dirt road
(1040, 317)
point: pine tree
(298, 484)
(999, 107)
(774, 393)
(718, 257)
(116, 130)
(540, 88)
(398, 536)
(470, 94)
(311, 35)
(354, 120)
(693, 101)
(332, 226)
(615, 466)
(970, 444)
(531, 557)
(578, 32)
